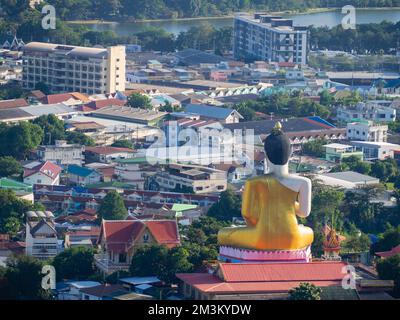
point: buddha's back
(274, 206)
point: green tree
(227, 207)
(326, 201)
(387, 240)
(385, 170)
(354, 163)
(9, 166)
(12, 207)
(245, 110)
(123, 144)
(389, 269)
(326, 98)
(138, 100)
(74, 263)
(148, 261)
(23, 279)
(79, 138)
(356, 243)
(12, 225)
(115, 276)
(19, 139)
(315, 148)
(176, 261)
(53, 128)
(113, 207)
(305, 291)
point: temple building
(258, 281)
(331, 244)
(271, 254)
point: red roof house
(260, 281)
(42, 173)
(119, 240)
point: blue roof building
(82, 176)
(224, 115)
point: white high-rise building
(67, 68)
(270, 38)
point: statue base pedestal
(239, 255)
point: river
(328, 18)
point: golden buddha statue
(270, 204)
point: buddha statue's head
(277, 146)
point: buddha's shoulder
(261, 178)
(269, 177)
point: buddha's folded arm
(303, 203)
(250, 211)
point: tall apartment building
(74, 69)
(270, 38)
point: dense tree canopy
(123, 144)
(228, 206)
(156, 9)
(305, 291)
(74, 263)
(9, 166)
(138, 100)
(17, 140)
(315, 148)
(12, 211)
(284, 105)
(387, 240)
(22, 279)
(113, 207)
(389, 269)
(373, 38)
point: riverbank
(229, 16)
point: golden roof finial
(278, 126)
(277, 129)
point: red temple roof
(390, 253)
(256, 278)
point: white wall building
(367, 131)
(347, 179)
(376, 150)
(269, 38)
(67, 68)
(200, 179)
(41, 236)
(377, 111)
(62, 153)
